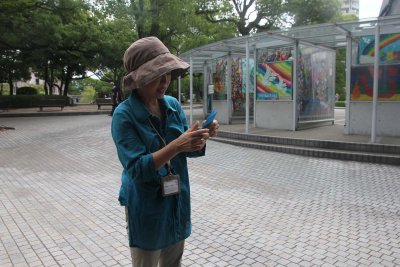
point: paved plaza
(59, 182)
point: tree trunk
(155, 15)
(51, 82)
(10, 82)
(61, 88)
(139, 17)
(46, 79)
(68, 79)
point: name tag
(170, 185)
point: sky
(369, 8)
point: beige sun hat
(147, 59)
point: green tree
(55, 37)
(12, 68)
(88, 94)
(14, 16)
(117, 34)
(101, 88)
(174, 22)
(62, 40)
(247, 16)
(306, 12)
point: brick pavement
(59, 180)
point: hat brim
(153, 69)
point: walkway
(58, 203)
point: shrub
(39, 88)
(340, 103)
(88, 94)
(4, 89)
(27, 101)
(27, 91)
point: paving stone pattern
(59, 180)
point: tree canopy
(250, 16)
(63, 40)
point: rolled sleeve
(132, 152)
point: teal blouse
(155, 221)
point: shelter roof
(328, 35)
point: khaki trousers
(170, 256)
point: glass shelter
(285, 79)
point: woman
(153, 141)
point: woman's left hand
(213, 128)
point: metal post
(348, 80)
(205, 89)
(179, 89)
(376, 80)
(247, 85)
(191, 91)
(255, 86)
(228, 78)
(294, 88)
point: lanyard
(168, 164)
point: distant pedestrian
(337, 97)
(116, 97)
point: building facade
(390, 8)
(351, 7)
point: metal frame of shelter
(327, 36)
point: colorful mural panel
(362, 80)
(269, 55)
(219, 80)
(389, 49)
(238, 97)
(244, 78)
(316, 88)
(274, 80)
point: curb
(326, 144)
(60, 113)
(374, 153)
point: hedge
(27, 101)
(27, 91)
(340, 103)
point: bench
(4, 105)
(103, 102)
(51, 103)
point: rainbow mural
(389, 48)
(274, 80)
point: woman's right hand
(192, 140)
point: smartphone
(210, 119)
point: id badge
(170, 185)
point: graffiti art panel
(219, 80)
(362, 80)
(316, 88)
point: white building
(33, 81)
(351, 7)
